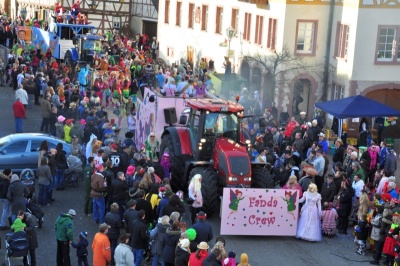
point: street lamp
(23, 13)
(230, 32)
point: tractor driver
(211, 124)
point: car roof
(34, 136)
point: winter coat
(123, 255)
(67, 137)
(157, 235)
(131, 215)
(81, 247)
(45, 108)
(60, 130)
(101, 250)
(64, 227)
(204, 232)
(140, 238)
(345, 202)
(119, 190)
(161, 205)
(328, 192)
(244, 260)
(376, 227)
(97, 185)
(22, 95)
(181, 257)
(211, 260)
(16, 194)
(145, 205)
(60, 160)
(19, 110)
(362, 230)
(194, 261)
(4, 184)
(385, 226)
(30, 230)
(76, 130)
(390, 163)
(338, 155)
(44, 174)
(173, 208)
(114, 220)
(168, 243)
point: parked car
(21, 151)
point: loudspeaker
(170, 116)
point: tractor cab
(87, 46)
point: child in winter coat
(390, 241)
(81, 249)
(230, 260)
(329, 216)
(244, 260)
(362, 234)
(18, 225)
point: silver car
(21, 151)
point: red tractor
(211, 144)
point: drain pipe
(325, 79)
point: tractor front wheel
(261, 178)
(209, 188)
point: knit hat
(191, 233)
(131, 170)
(72, 212)
(83, 122)
(60, 119)
(231, 254)
(83, 234)
(14, 178)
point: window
(170, 52)
(166, 12)
(178, 13)
(191, 15)
(235, 19)
(305, 39)
(116, 21)
(17, 147)
(342, 40)
(204, 17)
(271, 33)
(219, 18)
(259, 29)
(35, 145)
(337, 92)
(247, 24)
(388, 45)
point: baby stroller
(28, 179)
(74, 171)
(36, 211)
(17, 247)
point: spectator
(123, 253)
(61, 164)
(140, 237)
(119, 192)
(81, 249)
(244, 260)
(98, 185)
(45, 109)
(345, 203)
(194, 193)
(168, 244)
(158, 234)
(182, 253)
(328, 191)
(64, 227)
(230, 260)
(87, 176)
(44, 181)
(144, 205)
(23, 96)
(101, 246)
(113, 219)
(203, 229)
(19, 115)
(130, 215)
(30, 231)
(214, 258)
(197, 258)
(390, 162)
(16, 194)
(4, 184)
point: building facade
(353, 45)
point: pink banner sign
(250, 211)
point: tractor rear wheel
(177, 180)
(261, 178)
(209, 188)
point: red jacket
(19, 110)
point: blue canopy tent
(356, 106)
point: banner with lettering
(251, 211)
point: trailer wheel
(178, 181)
(261, 178)
(209, 188)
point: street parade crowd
(127, 190)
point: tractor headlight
(233, 179)
(247, 179)
(203, 140)
(248, 141)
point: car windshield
(220, 122)
(91, 45)
(4, 141)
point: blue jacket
(204, 232)
(81, 247)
